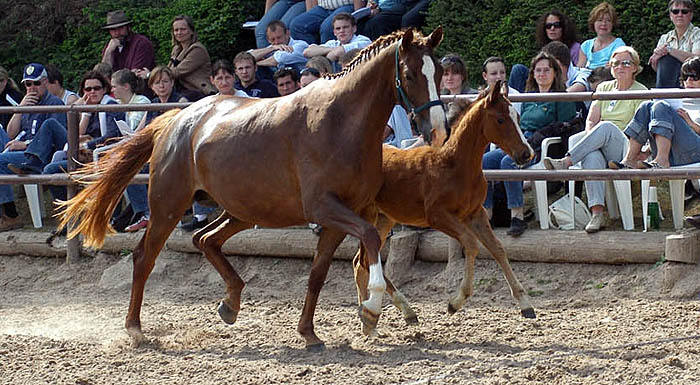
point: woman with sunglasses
(603, 141)
(454, 76)
(677, 45)
(596, 52)
(671, 127)
(556, 26)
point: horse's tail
(92, 208)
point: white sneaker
(596, 223)
(554, 164)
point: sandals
(615, 165)
(652, 164)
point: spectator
(415, 16)
(124, 85)
(321, 64)
(94, 128)
(23, 128)
(282, 10)
(603, 140)
(283, 51)
(189, 60)
(673, 132)
(556, 26)
(162, 83)
(223, 78)
(55, 85)
(677, 45)
(319, 17)
(385, 17)
(545, 76)
(244, 64)
(398, 128)
(308, 75)
(287, 81)
(104, 69)
(344, 29)
(596, 52)
(454, 76)
(493, 70)
(347, 58)
(126, 49)
(9, 96)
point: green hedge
(75, 45)
(479, 29)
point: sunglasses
(312, 71)
(450, 60)
(624, 63)
(96, 88)
(29, 83)
(683, 11)
(555, 25)
(690, 76)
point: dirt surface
(596, 325)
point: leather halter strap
(402, 94)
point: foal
(444, 188)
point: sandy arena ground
(596, 325)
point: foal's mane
(370, 52)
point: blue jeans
(16, 157)
(659, 118)
(61, 166)
(498, 159)
(308, 25)
(138, 195)
(668, 72)
(518, 77)
(51, 137)
(284, 10)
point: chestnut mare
(312, 156)
(444, 188)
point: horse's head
(418, 75)
(501, 125)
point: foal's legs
(209, 240)
(164, 218)
(482, 229)
(361, 269)
(331, 213)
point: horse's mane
(369, 52)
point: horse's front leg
(209, 240)
(480, 225)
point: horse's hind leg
(209, 240)
(161, 223)
(482, 229)
(361, 269)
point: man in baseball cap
(126, 49)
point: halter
(404, 97)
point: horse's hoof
(368, 318)
(528, 313)
(411, 320)
(316, 348)
(226, 313)
(451, 309)
(137, 337)
(369, 331)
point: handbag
(560, 213)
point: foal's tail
(92, 208)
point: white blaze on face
(514, 117)
(437, 114)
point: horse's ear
(494, 93)
(436, 37)
(407, 39)
(504, 89)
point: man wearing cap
(126, 49)
(47, 129)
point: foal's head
(501, 124)
(419, 75)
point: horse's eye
(501, 120)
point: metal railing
(73, 116)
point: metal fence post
(72, 245)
